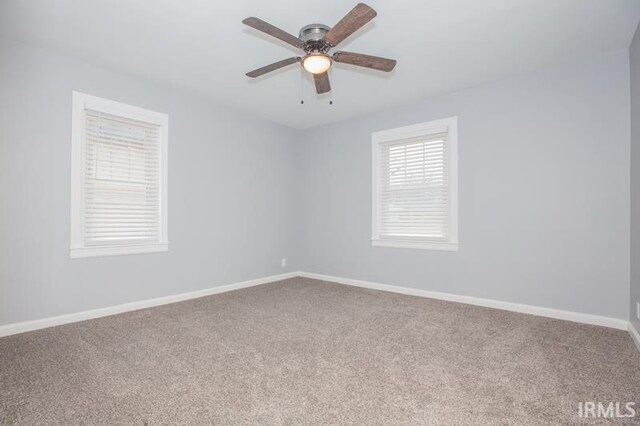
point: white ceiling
(440, 45)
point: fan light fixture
(316, 63)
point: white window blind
(414, 187)
(121, 181)
(120, 197)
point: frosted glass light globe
(316, 63)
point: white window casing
(118, 178)
(415, 186)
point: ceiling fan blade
(354, 20)
(322, 83)
(373, 62)
(272, 67)
(276, 32)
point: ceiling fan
(316, 40)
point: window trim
(80, 102)
(449, 125)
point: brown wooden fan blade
(373, 62)
(276, 32)
(354, 20)
(273, 67)
(322, 83)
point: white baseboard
(635, 336)
(489, 303)
(21, 327)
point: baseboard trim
(22, 327)
(635, 335)
(488, 303)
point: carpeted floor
(302, 351)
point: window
(415, 186)
(118, 178)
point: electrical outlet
(283, 262)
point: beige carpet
(302, 351)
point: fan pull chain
(330, 73)
(301, 88)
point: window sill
(422, 245)
(117, 250)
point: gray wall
(543, 190)
(634, 53)
(230, 193)
(544, 193)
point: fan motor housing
(313, 32)
(312, 37)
